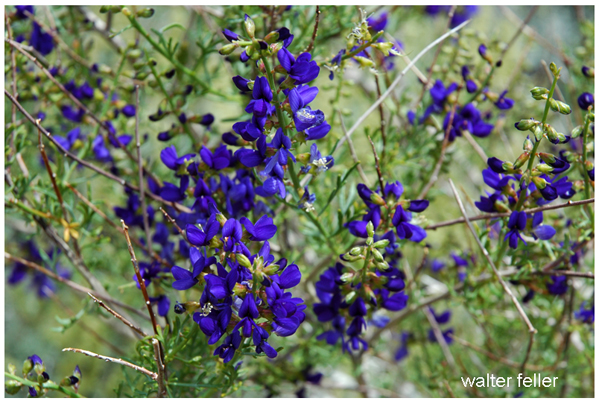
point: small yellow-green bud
(12, 387)
(145, 13)
(559, 106)
(577, 131)
(539, 93)
(243, 260)
(527, 146)
(381, 243)
(355, 251)
(554, 69)
(228, 49)
(370, 229)
(249, 25)
(523, 158)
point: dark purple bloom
(516, 224)
(503, 102)
(128, 110)
(586, 315)
(558, 285)
(263, 230)
(302, 70)
(41, 40)
(586, 100)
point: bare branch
(119, 316)
(119, 361)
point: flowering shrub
(260, 200)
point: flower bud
(525, 124)
(588, 165)
(523, 158)
(69, 381)
(27, 366)
(43, 378)
(378, 256)
(12, 387)
(364, 62)
(539, 93)
(544, 168)
(355, 251)
(382, 265)
(350, 258)
(551, 134)
(145, 13)
(243, 260)
(577, 131)
(588, 72)
(370, 228)
(271, 269)
(381, 243)
(547, 158)
(527, 146)
(554, 69)
(559, 106)
(126, 12)
(249, 25)
(539, 182)
(347, 277)
(228, 49)
(537, 130)
(369, 241)
(384, 47)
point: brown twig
(119, 361)
(317, 20)
(84, 163)
(377, 165)
(119, 316)
(506, 214)
(117, 227)
(79, 104)
(141, 171)
(142, 283)
(179, 229)
(160, 366)
(71, 284)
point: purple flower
(558, 285)
(503, 102)
(516, 224)
(221, 158)
(263, 230)
(586, 315)
(41, 40)
(379, 23)
(586, 100)
(302, 69)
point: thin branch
(71, 284)
(519, 31)
(397, 80)
(84, 163)
(377, 165)
(102, 28)
(141, 171)
(565, 256)
(435, 175)
(179, 229)
(506, 288)
(440, 338)
(317, 20)
(352, 150)
(117, 227)
(496, 358)
(506, 214)
(79, 104)
(161, 368)
(479, 150)
(119, 361)
(140, 280)
(119, 316)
